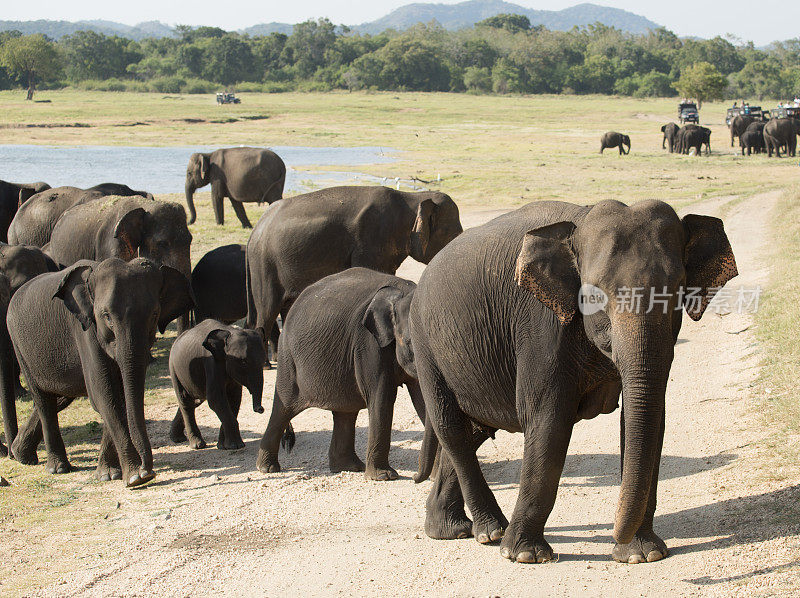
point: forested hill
(449, 16)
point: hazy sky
(760, 21)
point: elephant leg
(646, 546)
(342, 451)
(46, 405)
(238, 208)
(23, 449)
(177, 431)
(108, 467)
(233, 393)
(230, 437)
(217, 198)
(380, 406)
(284, 408)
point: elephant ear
(76, 293)
(379, 318)
(176, 296)
(546, 266)
(25, 194)
(423, 226)
(215, 343)
(709, 262)
(129, 231)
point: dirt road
(210, 524)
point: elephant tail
(252, 314)
(427, 454)
(287, 442)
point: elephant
(693, 136)
(670, 130)
(101, 320)
(241, 174)
(8, 375)
(13, 195)
(213, 361)
(219, 285)
(779, 132)
(503, 340)
(35, 219)
(614, 139)
(739, 125)
(302, 239)
(124, 227)
(345, 347)
(752, 139)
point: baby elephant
(614, 139)
(213, 361)
(345, 346)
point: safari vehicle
(786, 112)
(687, 113)
(755, 112)
(225, 97)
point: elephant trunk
(133, 366)
(644, 360)
(190, 189)
(256, 388)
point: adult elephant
(669, 130)
(781, 132)
(125, 227)
(499, 343)
(13, 195)
(34, 222)
(693, 136)
(614, 139)
(302, 239)
(7, 373)
(239, 173)
(219, 283)
(101, 321)
(739, 125)
(752, 139)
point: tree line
(502, 54)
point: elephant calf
(345, 347)
(614, 139)
(212, 361)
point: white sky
(761, 21)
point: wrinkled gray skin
(302, 239)
(213, 361)
(670, 130)
(219, 285)
(781, 132)
(241, 174)
(8, 375)
(34, 221)
(345, 346)
(693, 136)
(739, 125)
(499, 343)
(124, 227)
(752, 139)
(614, 139)
(101, 322)
(13, 195)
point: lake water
(163, 169)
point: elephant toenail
(483, 538)
(635, 559)
(526, 556)
(496, 534)
(654, 555)
(505, 552)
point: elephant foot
(58, 465)
(381, 474)
(197, 442)
(141, 477)
(451, 524)
(231, 442)
(525, 548)
(490, 528)
(266, 463)
(24, 454)
(346, 463)
(646, 547)
(104, 473)
(177, 436)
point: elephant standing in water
(499, 343)
(614, 139)
(241, 174)
(12, 196)
(670, 132)
(302, 239)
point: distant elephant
(302, 239)
(614, 139)
(213, 361)
(739, 125)
(670, 131)
(241, 174)
(781, 132)
(124, 227)
(13, 195)
(219, 285)
(100, 321)
(752, 139)
(345, 347)
(502, 341)
(693, 136)
(34, 222)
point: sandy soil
(210, 524)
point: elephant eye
(107, 318)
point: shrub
(166, 84)
(199, 86)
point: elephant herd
(493, 337)
(775, 135)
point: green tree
(91, 55)
(227, 60)
(307, 45)
(509, 22)
(701, 81)
(33, 58)
(478, 79)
